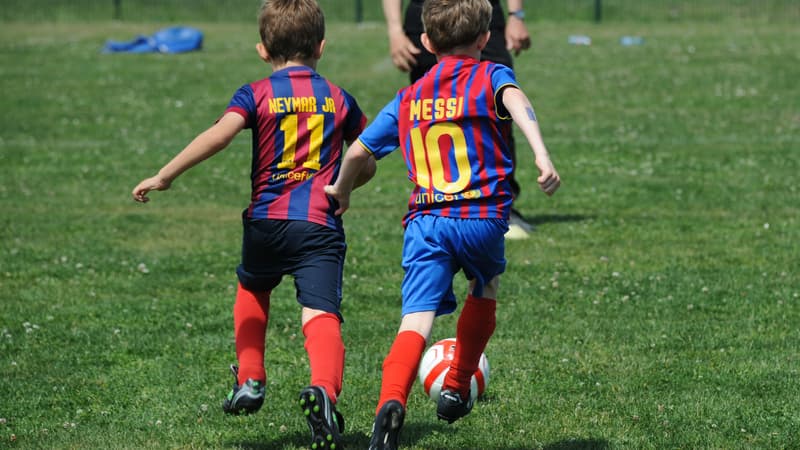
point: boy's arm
(521, 111)
(205, 145)
(354, 165)
(367, 172)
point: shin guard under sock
(325, 350)
(400, 367)
(475, 327)
(250, 318)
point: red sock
(250, 318)
(475, 326)
(325, 350)
(400, 367)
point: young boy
(299, 122)
(448, 126)
(508, 33)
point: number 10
(429, 159)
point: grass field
(656, 306)
(171, 11)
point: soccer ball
(436, 363)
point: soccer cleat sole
(325, 432)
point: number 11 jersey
(300, 122)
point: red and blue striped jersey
(453, 131)
(300, 122)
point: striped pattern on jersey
(300, 122)
(453, 140)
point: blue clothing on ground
(167, 40)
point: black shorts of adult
(495, 52)
(313, 254)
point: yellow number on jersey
(428, 158)
(315, 124)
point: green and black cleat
(324, 421)
(244, 399)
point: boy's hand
(150, 184)
(549, 181)
(342, 198)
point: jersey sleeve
(502, 77)
(244, 104)
(381, 136)
(355, 121)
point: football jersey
(300, 122)
(453, 132)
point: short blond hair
(451, 24)
(291, 29)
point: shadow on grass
(300, 439)
(578, 444)
(410, 436)
(534, 219)
(413, 433)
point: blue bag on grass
(167, 40)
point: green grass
(655, 307)
(181, 11)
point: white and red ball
(436, 363)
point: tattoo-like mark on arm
(531, 114)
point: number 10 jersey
(453, 131)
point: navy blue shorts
(313, 254)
